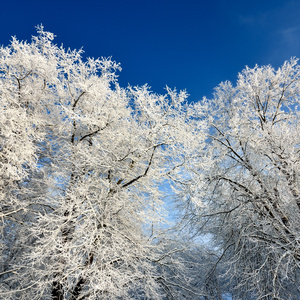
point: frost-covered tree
(85, 167)
(250, 182)
(88, 171)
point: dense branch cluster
(83, 163)
(119, 193)
(251, 182)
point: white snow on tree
(83, 163)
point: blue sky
(187, 44)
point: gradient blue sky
(187, 44)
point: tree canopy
(120, 193)
(250, 182)
(83, 167)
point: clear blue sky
(187, 44)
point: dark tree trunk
(57, 291)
